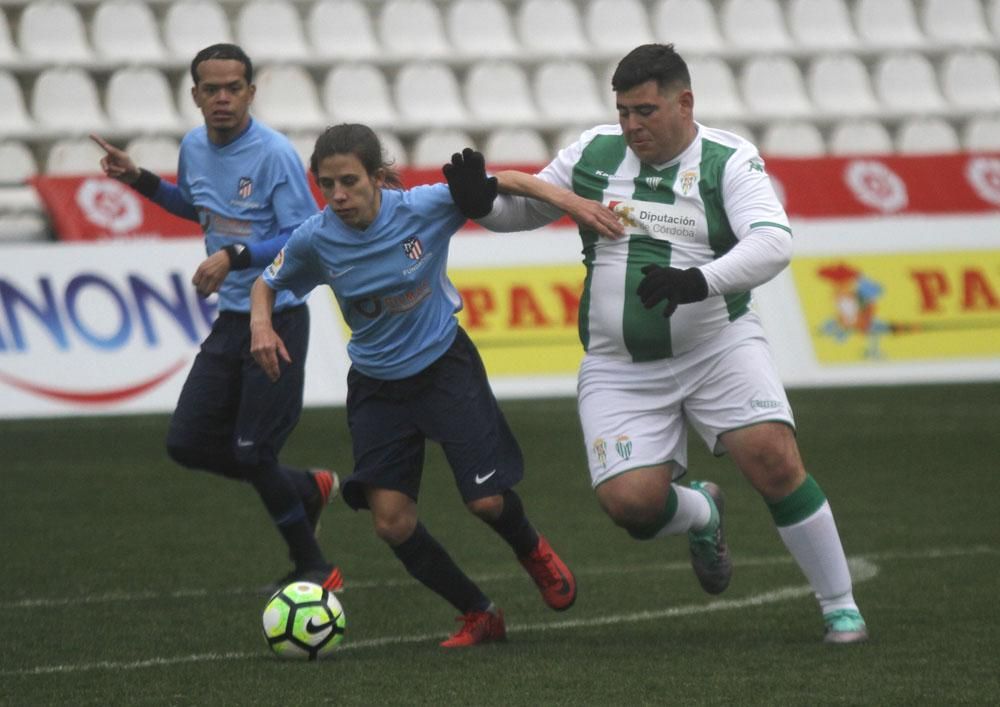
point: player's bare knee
(393, 529)
(487, 509)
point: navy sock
(281, 498)
(304, 483)
(513, 525)
(431, 565)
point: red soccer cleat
(556, 583)
(327, 488)
(478, 627)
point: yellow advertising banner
(903, 306)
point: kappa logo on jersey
(245, 188)
(755, 165)
(413, 248)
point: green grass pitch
(127, 580)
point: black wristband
(239, 256)
(146, 184)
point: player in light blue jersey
(245, 185)
(415, 374)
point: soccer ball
(304, 621)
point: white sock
(815, 545)
(693, 512)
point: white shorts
(635, 414)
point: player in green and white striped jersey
(679, 222)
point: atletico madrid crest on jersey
(245, 188)
(412, 248)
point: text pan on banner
(903, 306)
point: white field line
(863, 568)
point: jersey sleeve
(297, 267)
(293, 201)
(749, 196)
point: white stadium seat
(189, 112)
(773, 86)
(65, 99)
(926, 136)
(715, 94)
(888, 24)
(754, 25)
(691, 25)
(341, 29)
(393, 150)
(157, 153)
(126, 31)
(435, 147)
(982, 134)
(551, 28)
(287, 98)
(567, 136)
(53, 31)
(821, 24)
(906, 82)
(864, 136)
(839, 84)
(271, 30)
(971, 80)
(14, 118)
(427, 94)
(74, 156)
(993, 17)
(358, 93)
(412, 29)
(734, 126)
(615, 27)
(140, 99)
(565, 91)
(497, 92)
(515, 146)
(191, 25)
(955, 22)
(17, 163)
(481, 28)
(792, 139)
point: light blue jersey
(246, 191)
(390, 280)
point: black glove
(472, 191)
(672, 284)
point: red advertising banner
(94, 207)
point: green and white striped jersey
(688, 212)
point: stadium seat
(792, 139)
(53, 31)
(569, 134)
(926, 136)
(565, 92)
(982, 134)
(481, 28)
(497, 92)
(341, 29)
(865, 136)
(412, 29)
(551, 28)
(65, 99)
(971, 80)
(615, 27)
(73, 156)
(887, 24)
(691, 25)
(140, 99)
(189, 112)
(516, 146)
(271, 30)
(157, 153)
(14, 118)
(955, 22)
(839, 84)
(754, 25)
(287, 98)
(427, 94)
(358, 93)
(17, 163)
(772, 86)
(126, 31)
(393, 150)
(905, 82)
(993, 17)
(304, 143)
(821, 24)
(741, 129)
(8, 50)
(715, 94)
(435, 147)
(191, 25)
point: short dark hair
(358, 140)
(651, 62)
(222, 51)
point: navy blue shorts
(228, 408)
(450, 402)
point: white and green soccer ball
(304, 621)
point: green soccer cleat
(845, 626)
(709, 552)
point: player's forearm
(753, 261)
(523, 203)
(164, 194)
(262, 299)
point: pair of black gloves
(474, 193)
